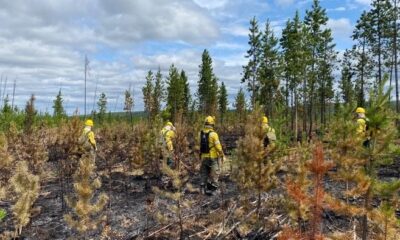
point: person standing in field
(167, 136)
(269, 133)
(210, 152)
(362, 126)
(87, 140)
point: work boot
(212, 186)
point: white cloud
(230, 46)
(42, 43)
(127, 21)
(341, 28)
(284, 3)
(364, 2)
(338, 9)
(236, 30)
(211, 4)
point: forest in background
(319, 182)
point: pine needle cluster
(358, 167)
(86, 215)
(176, 202)
(65, 148)
(30, 147)
(136, 153)
(152, 148)
(27, 187)
(256, 165)
(307, 195)
(6, 161)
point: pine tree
(295, 56)
(102, 106)
(251, 70)
(325, 73)
(207, 86)
(306, 206)
(27, 187)
(363, 61)
(257, 165)
(128, 103)
(395, 46)
(358, 165)
(222, 101)
(7, 108)
(177, 201)
(30, 115)
(85, 216)
(6, 161)
(240, 105)
(315, 22)
(175, 92)
(379, 36)
(269, 69)
(346, 79)
(186, 93)
(58, 107)
(158, 93)
(147, 91)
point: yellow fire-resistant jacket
(214, 144)
(361, 128)
(269, 131)
(168, 135)
(89, 134)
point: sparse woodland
(317, 181)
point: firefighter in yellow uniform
(270, 136)
(362, 126)
(88, 140)
(211, 151)
(167, 136)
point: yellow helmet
(209, 120)
(265, 120)
(360, 110)
(89, 122)
(170, 124)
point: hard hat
(89, 122)
(360, 110)
(170, 124)
(265, 120)
(209, 120)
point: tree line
(292, 76)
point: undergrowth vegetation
(283, 191)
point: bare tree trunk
(292, 111)
(86, 68)
(379, 44)
(13, 96)
(304, 106)
(365, 217)
(180, 219)
(4, 92)
(395, 58)
(361, 94)
(310, 112)
(287, 101)
(296, 115)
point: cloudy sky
(43, 43)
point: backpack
(271, 136)
(205, 142)
(84, 141)
(162, 140)
(366, 124)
